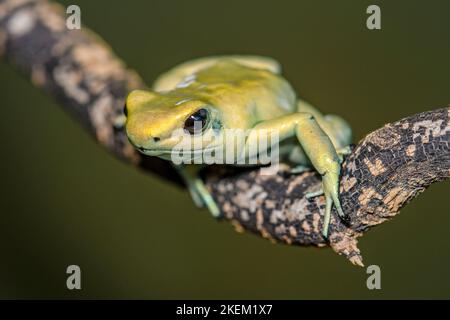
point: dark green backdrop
(64, 200)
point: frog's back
(259, 92)
(172, 78)
(239, 86)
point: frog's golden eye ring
(197, 121)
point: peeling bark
(385, 171)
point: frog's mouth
(168, 152)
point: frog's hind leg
(199, 193)
(298, 157)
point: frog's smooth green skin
(236, 92)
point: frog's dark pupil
(125, 110)
(200, 116)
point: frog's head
(157, 123)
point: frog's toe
(327, 216)
(342, 215)
(310, 195)
(346, 220)
(206, 199)
(344, 151)
(196, 197)
(300, 169)
(325, 232)
(213, 208)
(330, 184)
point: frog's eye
(125, 112)
(196, 122)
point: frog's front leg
(199, 193)
(317, 146)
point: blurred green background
(64, 200)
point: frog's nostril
(156, 139)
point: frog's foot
(203, 198)
(330, 185)
(341, 152)
(299, 169)
(199, 193)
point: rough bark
(77, 68)
(387, 169)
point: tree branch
(385, 171)
(77, 68)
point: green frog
(204, 98)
